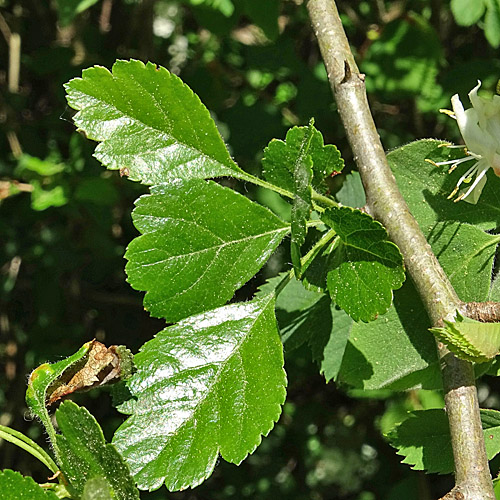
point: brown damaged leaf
(101, 366)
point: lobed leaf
(212, 384)
(424, 439)
(200, 242)
(14, 487)
(85, 456)
(150, 125)
(280, 157)
(364, 266)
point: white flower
(480, 129)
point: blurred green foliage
(65, 221)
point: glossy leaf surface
(212, 384)
(14, 486)
(85, 455)
(150, 125)
(364, 266)
(424, 439)
(200, 242)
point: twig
(388, 206)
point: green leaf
(395, 351)
(467, 13)
(424, 439)
(85, 455)
(302, 205)
(280, 158)
(352, 193)
(470, 339)
(308, 316)
(331, 328)
(465, 252)
(14, 487)
(68, 9)
(150, 125)
(193, 234)
(492, 23)
(365, 266)
(212, 384)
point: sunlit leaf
(212, 384)
(364, 266)
(200, 242)
(150, 125)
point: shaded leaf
(352, 193)
(200, 242)
(465, 252)
(150, 125)
(212, 384)
(424, 439)
(306, 316)
(365, 267)
(86, 456)
(374, 353)
(331, 328)
(14, 487)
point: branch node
(347, 72)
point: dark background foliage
(65, 221)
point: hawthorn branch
(386, 204)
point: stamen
(449, 162)
(448, 112)
(467, 175)
(474, 184)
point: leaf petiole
(306, 260)
(262, 183)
